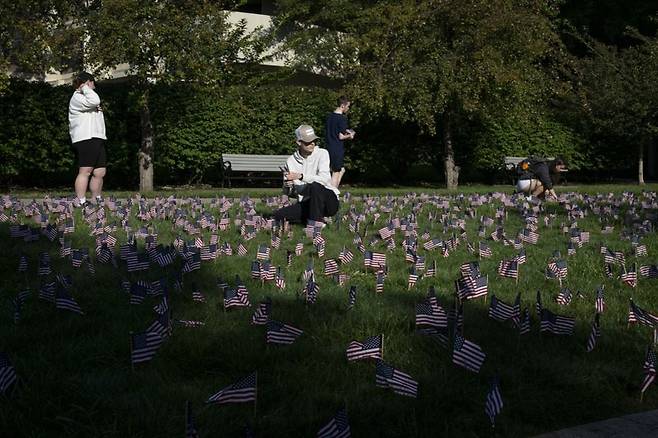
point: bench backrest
(511, 162)
(261, 163)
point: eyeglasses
(306, 143)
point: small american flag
(311, 290)
(66, 302)
(641, 251)
(197, 296)
(467, 354)
(501, 311)
(262, 313)
(370, 348)
(233, 298)
(190, 427)
(494, 402)
(629, 276)
(352, 297)
(564, 297)
(571, 249)
(524, 323)
(429, 313)
(7, 374)
(556, 324)
(280, 281)
(22, 263)
(330, 267)
(280, 333)
(190, 324)
(400, 383)
(508, 268)
(649, 369)
(594, 334)
(413, 277)
(649, 271)
(599, 303)
(470, 269)
(346, 256)
(637, 314)
(379, 285)
(144, 346)
(338, 427)
(263, 252)
(484, 250)
(241, 391)
(557, 269)
(299, 248)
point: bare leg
(336, 177)
(536, 188)
(96, 184)
(81, 181)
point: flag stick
(256, 396)
(132, 364)
(382, 346)
(187, 414)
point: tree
(620, 98)
(35, 38)
(163, 41)
(424, 62)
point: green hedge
(195, 125)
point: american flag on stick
(242, 391)
(338, 427)
(400, 383)
(467, 354)
(371, 348)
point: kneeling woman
(308, 176)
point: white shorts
(523, 185)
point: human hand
(291, 176)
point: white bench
(251, 164)
(512, 162)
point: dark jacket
(539, 170)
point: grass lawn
(76, 377)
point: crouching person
(538, 177)
(308, 177)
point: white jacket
(85, 116)
(314, 168)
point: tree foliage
(166, 41)
(619, 100)
(423, 62)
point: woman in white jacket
(87, 129)
(308, 177)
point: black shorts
(336, 156)
(91, 152)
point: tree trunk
(145, 158)
(451, 171)
(640, 165)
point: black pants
(318, 203)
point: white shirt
(314, 168)
(85, 117)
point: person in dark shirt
(538, 177)
(336, 132)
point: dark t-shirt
(336, 123)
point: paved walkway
(644, 424)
